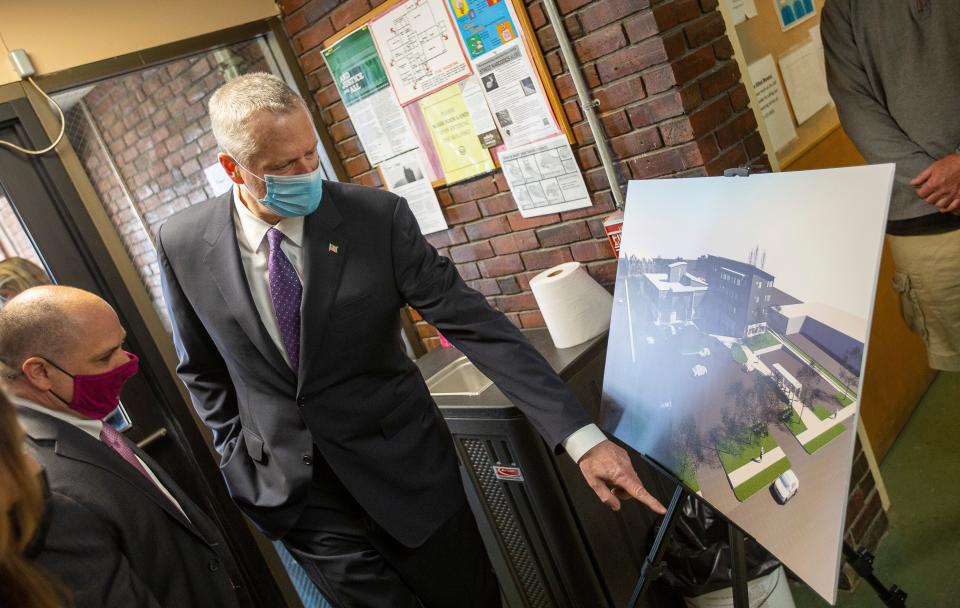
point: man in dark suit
(121, 532)
(285, 298)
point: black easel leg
(653, 564)
(738, 563)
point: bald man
(122, 532)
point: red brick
(313, 36)
(500, 266)
(486, 228)
(531, 318)
(312, 60)
(655, 109)
(709, 5)
(605, 12)
(518, 222)
(447, 238)
(468, 271)
(736, 130)
(676, 131)
(341, 131)
(605, 273)
(349, 148)
(602, 203)
(563, 234)
(754, 145)
(508, 286)
(460, 214)
(734, 157)
(583, 134)
(555, 63)
(546, 258)
(370, 179)
(720, 80)
(516, 303)
(739, 98)
(588, 251)
(631, 60)
(723, 49)
(547, 38)
(640, 27)
(471, 252)
(601, 42)
(537, 17)
(661, 162)
(487, 287)
(572, 111)
(711, 116)
(567, 6)
(294, 23)
(635, 142)
(523, 278)
(588, 157)
(497, 204)
(564, 85)
(357, 165)
(501, 181)
(619, 94)
(514, 242)
(659, 80)
(473, 190)
(693, 65)
(348, 12)
(443, 195)
(615, 123)
(674, 45)
(705, 30)
(709, 149)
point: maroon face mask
(96, 395)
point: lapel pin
(333, 248)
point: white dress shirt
(92, 428)
(254, 253)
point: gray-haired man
(285, 297)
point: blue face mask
(292, 195)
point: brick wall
(14, 241)
(155, 127)
(866, 520)
(670, 100)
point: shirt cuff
(582, 441)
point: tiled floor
(921, 552)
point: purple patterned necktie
(286, 292)
(112, 438)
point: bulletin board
(762, 34)
(420, 107)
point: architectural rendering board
(738, 336)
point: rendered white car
(650, 340)
(699, 370)
(786, 486)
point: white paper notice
(403, 175)
(381, 126)
(806, 80)
(544, 177)
(217, 179)
(515, 96)
(480, 112)
(773, 105)
(741, 10)
(420, 48)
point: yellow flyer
(451, 128)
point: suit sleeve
(201, 368)
(84, 555)
(430, 283)
(865, 119)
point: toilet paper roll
(574, 306)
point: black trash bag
(698, 552)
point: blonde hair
(22, 584)
(232, 105)
(19, 274)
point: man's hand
(608, 470)
(939, 184)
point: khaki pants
(927, 278)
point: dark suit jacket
(357, 396)
(114, 539)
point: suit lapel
(223, 262)
(71, 442)
(324, 253)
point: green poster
(356, 67)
